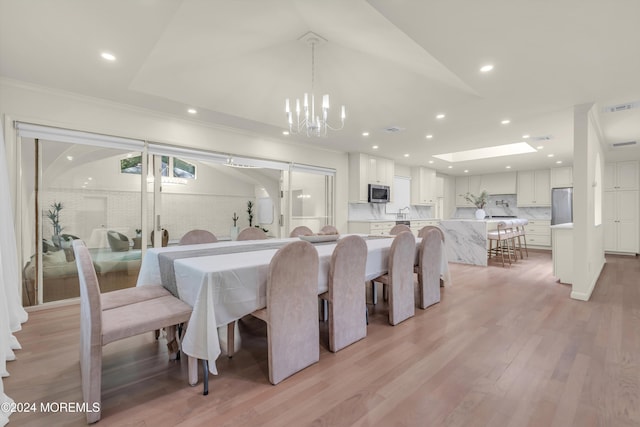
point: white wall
(587, 238)
(26, 103)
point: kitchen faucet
(403, 212)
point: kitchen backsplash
(376, 211)
(505, 205)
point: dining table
(225, 281)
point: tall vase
(234, 232)
(480, 214)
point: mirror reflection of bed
(115, 270)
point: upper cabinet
(534, 188)
(621, 175)
(499, 183)
(562, 177)
(365, 170)
(464, 185)
(423, 186)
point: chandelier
(309, 120)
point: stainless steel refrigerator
(561, 205)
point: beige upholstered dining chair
(252, 233)
(399, 279)
(105, 318)
(428, 268)
(301, 230)
(329, 229)
(291, 312)
(346, 296)
(423, 231)
(195, 237)
(399, 228)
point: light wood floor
(505, 347)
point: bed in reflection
(115, 270)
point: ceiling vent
(541, 138)
(621, 107)
(393, 129)
(624, 144)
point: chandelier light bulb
(307, 120)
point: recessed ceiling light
(559, 162)
(505, 122)
(86, 183)
(69, 158)
(540, 147)
(549, 155)
(431, 161)
(486, 68)
(192, 111)
(527, 136)
(375, 147)
(406, 155)
(108, 56)
(450, 167)
(440, 116)
(285, 132)
(507, 167)
(84, 186)
(466, 171)
(365, 133)
(89, 178)
(429, 136)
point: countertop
(394, 220)
(565, 226)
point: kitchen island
(466, 239)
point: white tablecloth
(223, 288)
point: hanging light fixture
(308, 120)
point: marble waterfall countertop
(466, 239)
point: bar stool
(520, 233)
(504, 238)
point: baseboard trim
(585, 296)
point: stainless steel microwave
(379, 193)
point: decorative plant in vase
(250, 212)
(479, 202)
(234, 229)
(54, 216)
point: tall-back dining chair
(329, 229)
(428, 268)
(346, 296)
(105, 318)
(399, 228)
(399, 279)
(195, 237)
(291, 312)
(252, 233)
(301, 230)
(423, 231)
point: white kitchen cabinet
(538, 233)
(467, 184)
(365, 170)
(417, 225)
(620, 219)
(621, 175)
(369, 227)
(562, 252)
(423, 186)
(499, 183)
(562, 177)
(534, 188)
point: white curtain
(12, 315)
